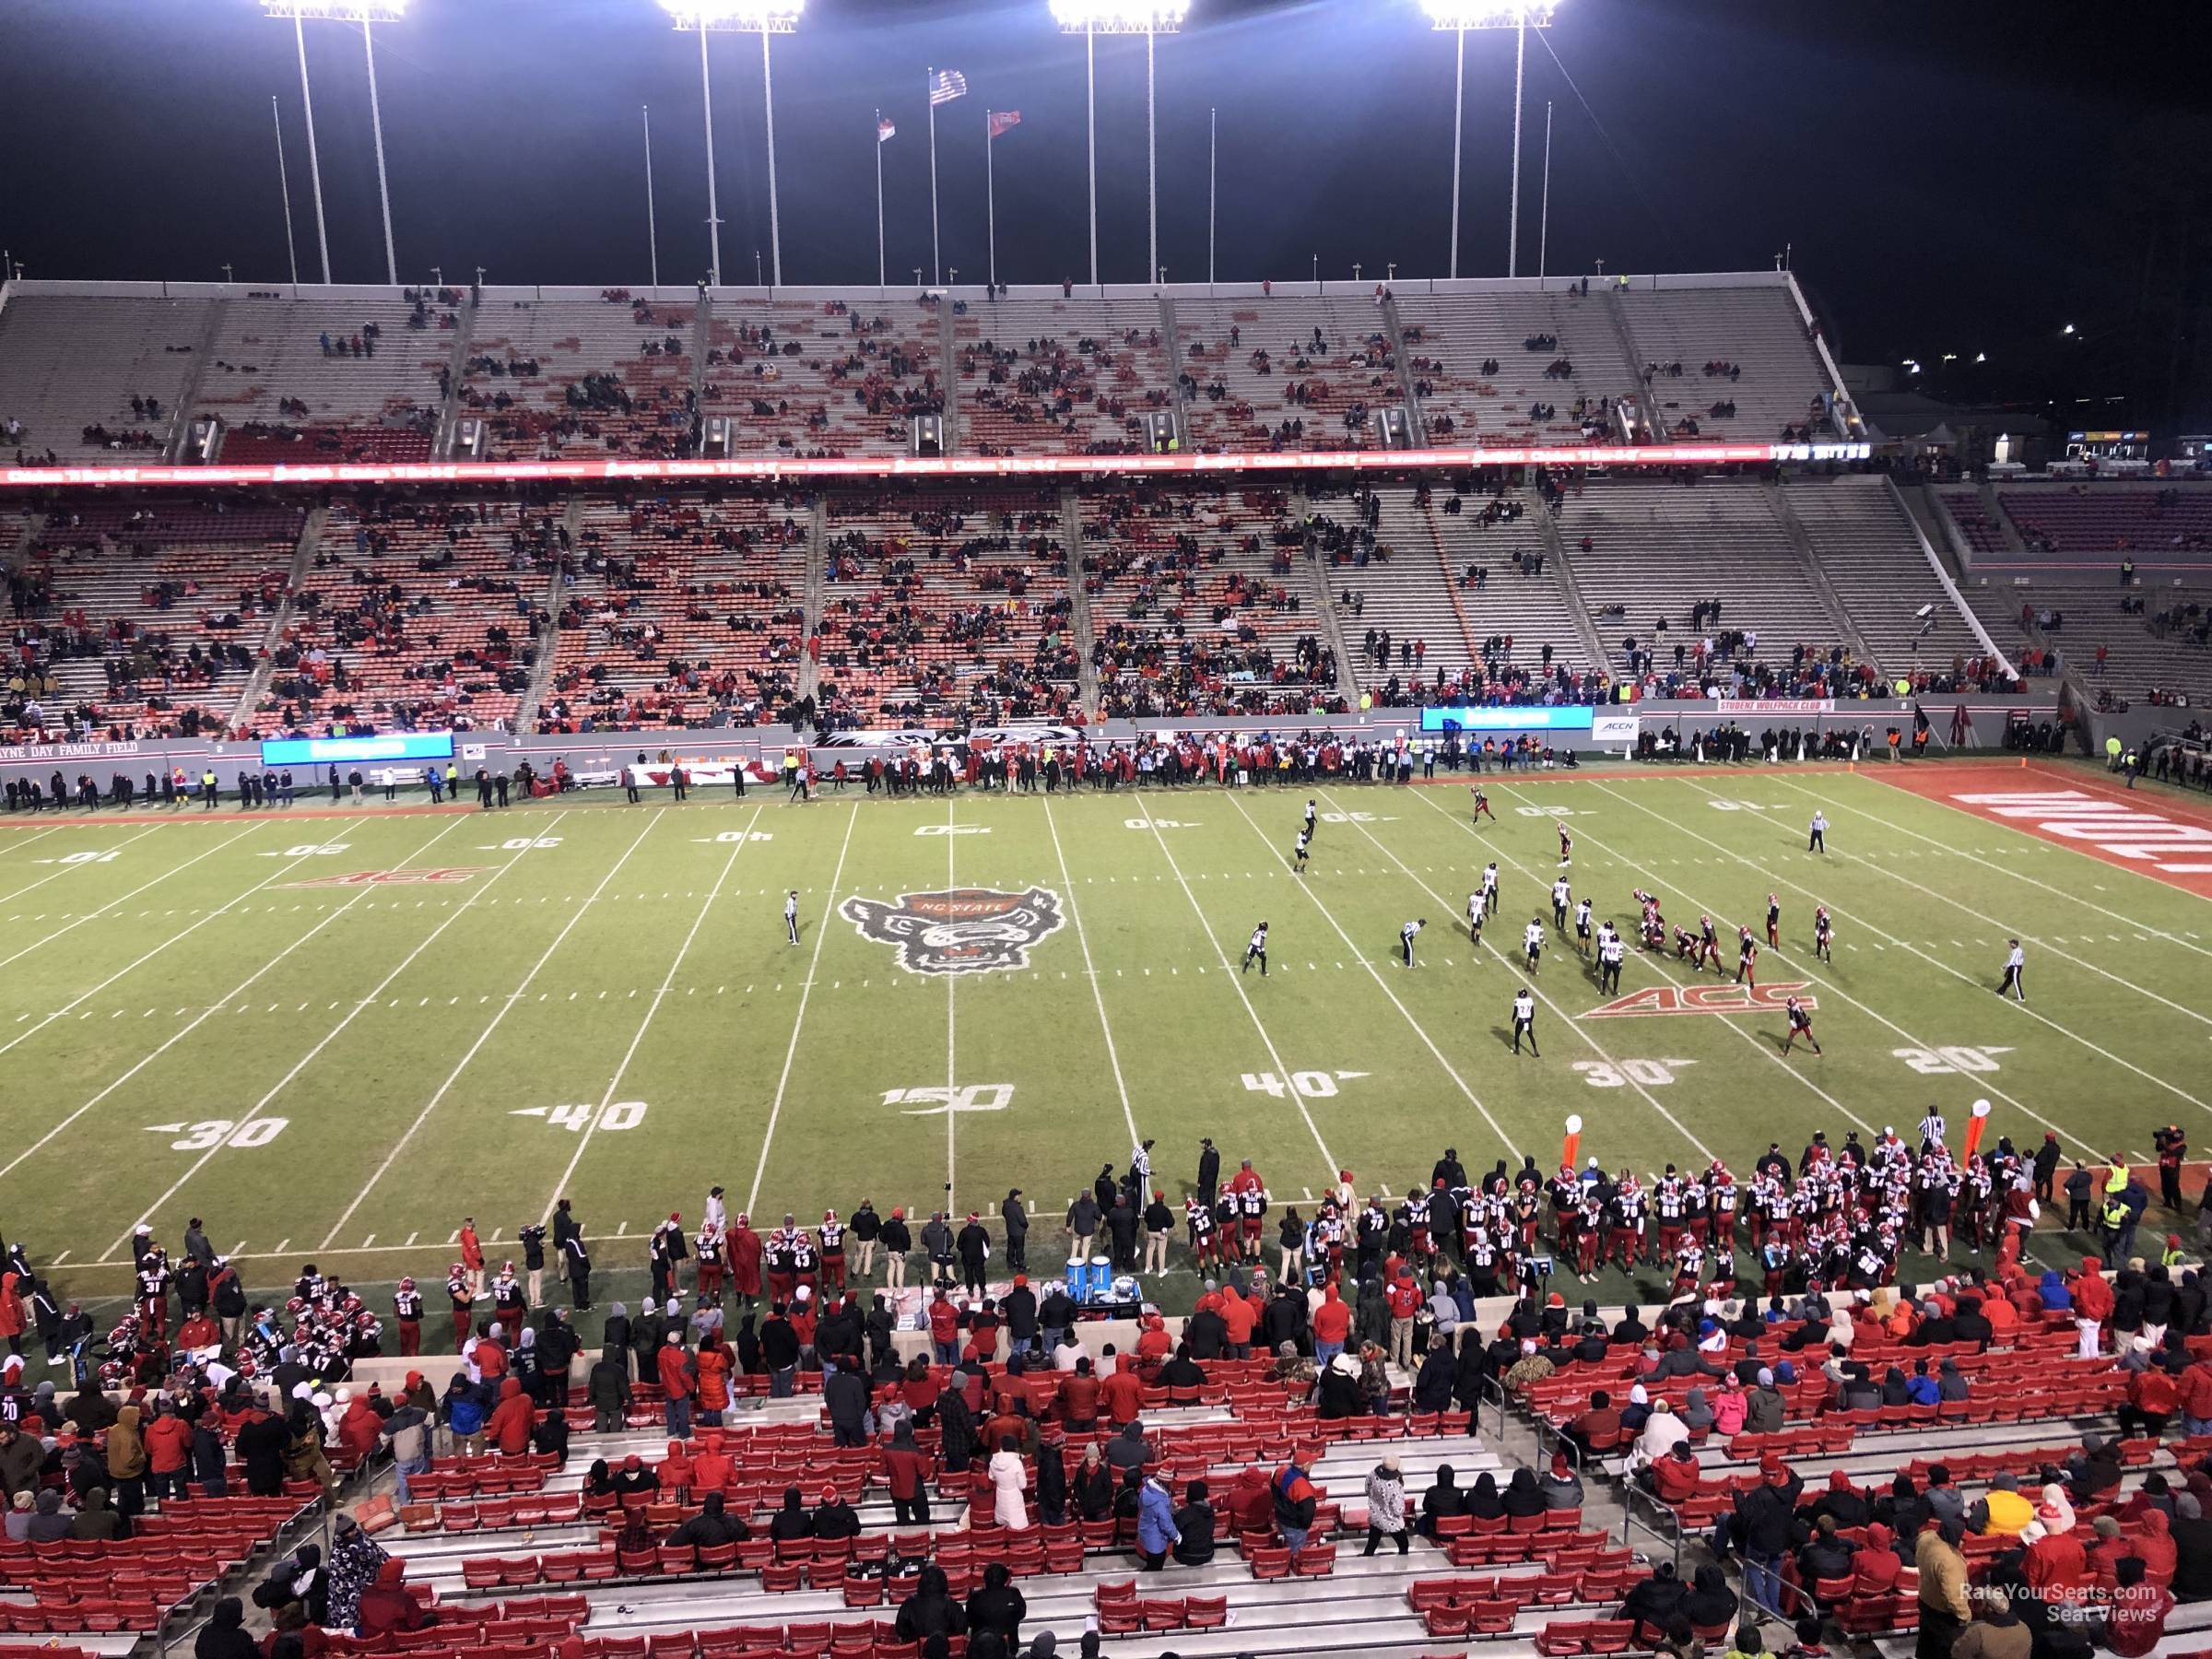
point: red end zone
(2152, 834)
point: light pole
(653, 235)
(366, 13)
(1458, 16)
(284, 188)
(1091, 18)
(763, 18)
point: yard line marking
(952, 982)
(1113, 1059)
(614, 1082)
(1236, 983)
(133, 893)
(411, 1238)
(60, 1259)
(368, 1241)
(821, 933)
(499, 1016)
(2013, 928)
(327, 1039)
(1934, 962)
(15, 845)
(183, 1031)
(1566, 1020)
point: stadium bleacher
(682, 610)
(1284, 371)
(1060, 376)
(607, 376)
(813, 377)
(305, 380)
(1548, 347)
(71, 366)
(1747, 348)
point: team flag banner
(1002, 120)
(884, 129)
(947, 85)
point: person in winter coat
(1156, 1530)
(385, 1607)
(359, 1427)
(996, 1607)
(1295, 1500)
(1522, 1498)
(834, 1518)
(1386, 1505)
(1560, 1485)
(1874, 1567)
(1007, 1479)
(608, 1388)
(355, 1560)
(126, 1462)
(168, 1451)
(224, 1635)
(956, 1428)
(299, 1581)
(908, 1470)
(1943, 1597)
(507, 1428)
(1092, 1485)
(95, 1522)
(1195, 1522)
(1709, 1601)
(930, 1610)
(712, 1365)
(846, 1400)
(260, 1444)
(1652, 1605)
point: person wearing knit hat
(1560, 1487)
(973, 1246)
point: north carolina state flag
(1003, 119)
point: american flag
(1003, 119)
(947, 85)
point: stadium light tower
(1459, 17)
(1091, 18)
(763, 18)
(366, 13)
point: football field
(333, 1034)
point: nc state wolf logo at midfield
(967, 930)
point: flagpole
(936, 261)
(1544, 218)
(1152, 166)
(990, 200)
(653, 236)
(879, 282)
(1211, 117)
(1090, 127)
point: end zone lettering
(1705, 999)
(423, 878)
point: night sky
(1949, 177)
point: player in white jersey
(1524, 1021)
(1309, 819)
(1581, 927)
(1610, 956)
(1531, 942)
(1305, 838)
(1561, 897)
(1474, 915)
(1256, 951)
(1489, 886)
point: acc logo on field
(394, 877)
(964, 930)
(1705, 999)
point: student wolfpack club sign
(961, 930)
(1706, 999)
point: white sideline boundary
(121, 898)
(2011, 928)
(583, 1141)
(821, 932)
(1098, 997)
(1913, 950)
(1382, 984)
(1236, 983)
(506, 1006)
(205, 1015)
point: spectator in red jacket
(1331, 1324)
(1123, 1396)
(2053, 1561)
(1876, 1565)
(2196, 1399)
(2134, 1618)
(2092, 1304)
(507, 1428)
(2153, 1396)
(168, 1451)
(678, 1387)
(908, 1470)
(1675, 1477)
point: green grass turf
(608, 953)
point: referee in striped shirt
(1931, 1130)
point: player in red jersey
(1566, 847)
(1482, 804)
(1747, 958)
(1801, 1025)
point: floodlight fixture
(338, 11)
(1120, 16)
(2067, 329)
(765, 19)
(1091, 18)
(735, 17)
(1457, 15)
(366, 13)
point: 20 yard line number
(1943, 1062)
